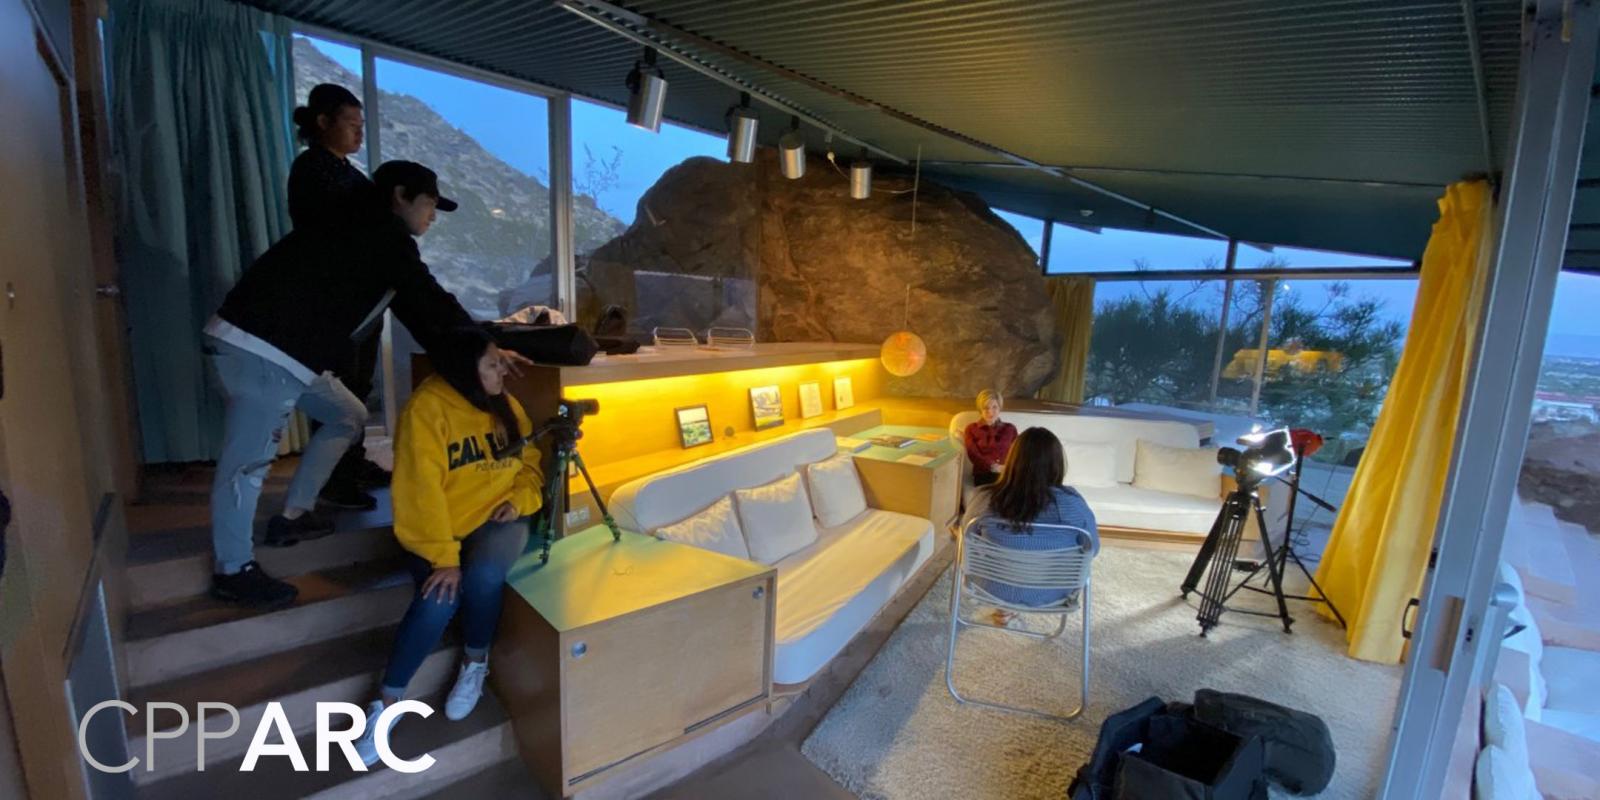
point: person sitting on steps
(1029, 491)
(461, 509)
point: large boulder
(717, 243)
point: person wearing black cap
(329, 196)
(292, 323)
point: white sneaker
(367, 745)
(469, 687)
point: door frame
(1534, 207)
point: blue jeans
(260, 397)
(486, 556)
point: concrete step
(168, 530)
(346, 669)
(507, 780)
(202, 633)
(460, 750)
(155, 581)
(1535, 546)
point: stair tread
(277, 675)
(183, 532)
(507, 780)
(274, 777)
(315, 587)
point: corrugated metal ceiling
(1356, 112)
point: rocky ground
(1561, 468)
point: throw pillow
(715, 529)
(1503, 725)
(776, 518)
(1500, 777)
(836, 494)
(1181, 470)
(1091, 464)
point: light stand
(1278, 558)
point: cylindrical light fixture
(792, 151)
(861, 177)
(647, 93)
(742, 123)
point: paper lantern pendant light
(904, 352)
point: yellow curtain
(1073, 298)
(1375, 559)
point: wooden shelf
(673, 362)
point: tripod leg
(1202, 558)
(1274, 570)
(555, 504)
(1232, 529)
(605, 513)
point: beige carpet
(897, 734)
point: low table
(929, 490)
(615, 649)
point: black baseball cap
(415, 177)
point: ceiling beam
(1194, 174)
(1475, 51)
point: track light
(792, 151)
(647, 93)
(861, 177)
(742, 123)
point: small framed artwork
(767, 406)
(694, 426)
(843, 396)
(810, 400)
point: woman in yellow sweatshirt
(460, 511)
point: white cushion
(647, 503)
(829, 590)
(1500, 777)
(835, 488)
(1090, 464)
(1124, 506)
(1107, 426)
(1530, 641)
(715, 529)
(1570, 676)
(1181, 470)
(1503, 725)
(776, 518)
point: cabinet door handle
(760, 592)
(580, 649)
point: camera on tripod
(1266, 454)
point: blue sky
(513, 125)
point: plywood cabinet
(615, 649)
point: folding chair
(1065, 570)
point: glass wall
(1080, 249)
(1030, 228)
(680, 270)
(491, 148)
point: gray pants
(260, 398)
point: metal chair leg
(950, 660)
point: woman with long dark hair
(1029, 491)
(461, 508)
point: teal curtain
(200, 99)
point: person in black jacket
(329, 196)
(288, 328)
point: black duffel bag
(1151, 752)
(559, 345)
(1299, 748)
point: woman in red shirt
(988, 440)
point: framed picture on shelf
(766, 403)
(810, 400)
(843, 396)
(694, 425)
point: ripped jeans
(261, 396)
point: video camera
(1266, 453)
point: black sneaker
(371, 476)
(285, 532)
(252, 587)
(346, 496)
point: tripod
(1284, 552)
(543, 528)
(1220, 549)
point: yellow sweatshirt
(446, 479)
